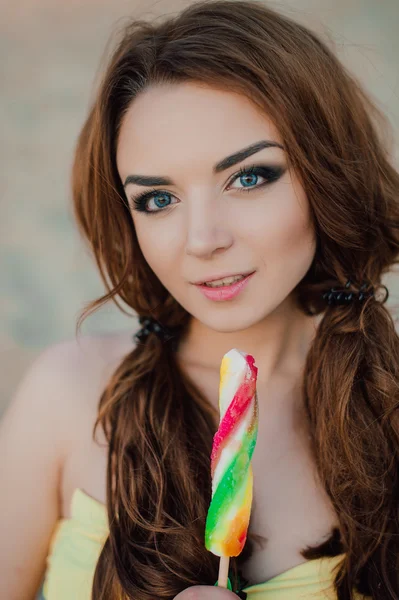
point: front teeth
(226, 281)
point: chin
(228, 324)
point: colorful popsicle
(233, 445)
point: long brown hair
(158, 424)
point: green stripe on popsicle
(231, 486)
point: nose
(208, 231)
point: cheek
(292, 232)
(284, 238)
(157, 243)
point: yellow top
(77, 542)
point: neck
(279, 343)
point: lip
(220, 276)
(225, 292)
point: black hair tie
(150, 325)
(343, 296)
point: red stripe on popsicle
(234, 413)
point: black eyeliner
(270, 172)
(140, 200)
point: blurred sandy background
(50, 52)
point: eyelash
(271, 174)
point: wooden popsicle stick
(223, 571)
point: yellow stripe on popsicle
(233, 445)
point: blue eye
(248, 177)
(159, 199)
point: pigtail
(351, 395)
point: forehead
(187, 123)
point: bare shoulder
(49, 417)
(92, 360)
(87, 363)
(62, 385)
(75, 369)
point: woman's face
(211, 221)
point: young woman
(233, 184)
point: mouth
(224, 281)
(225, 289)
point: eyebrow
(225, 163)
